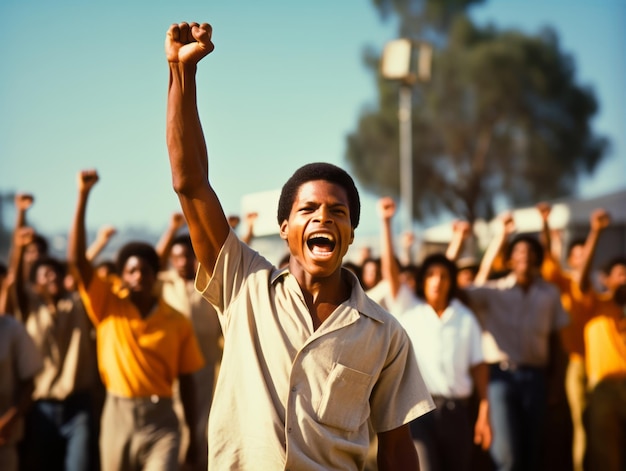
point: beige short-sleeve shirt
(19, 361)
(517, 324)
(67, 345)
(290, 397)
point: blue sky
(84, 86)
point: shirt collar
(358, 300)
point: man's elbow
(188, 186)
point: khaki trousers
(139, 433)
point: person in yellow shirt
(578, 301)
(143, 345)
(605, 343)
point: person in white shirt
(446, 338)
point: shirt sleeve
(234, 263)
(191, 358)
(476, 343)
(96, 298)
(400, 394)
(561, 317)
(223, 285)
(29, 361)
(479, 297)
(403, 302)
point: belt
(510, 366)
(449, 403)
(153, 399)
(77, 397)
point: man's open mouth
(321, 243)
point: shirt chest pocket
(345, 399)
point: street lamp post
(406, 150)
(407, 62)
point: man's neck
(525, 280)
(144, 303)
(324, 295)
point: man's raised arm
(77, 240)
(185, 45)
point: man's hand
(544, 209)
(482, 433)
(251, 219)
(463, 228)
(106, 232)
(507, 222)
(23, 201)
(233, 221)
(386, 208)
(177, 220)
(23, 236)
(87, 179)
(408, 239)
(187, 43)
(599, 220)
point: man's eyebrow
(317, 203)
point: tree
(6, 231)
(501, 119)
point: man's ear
(284, 229)
(351, 236)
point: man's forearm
(396, 451)
(185, 139)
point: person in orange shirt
(578, 301)
(144, 345)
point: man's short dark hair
(184, 240)
(140, 250)
(319, 171)
(532, 242)
(51, 262)
(437, 259)
(41, 242)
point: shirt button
(293, 389)
(289, 430)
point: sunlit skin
(615, 278)
(48, 283)
(436, 287)
(523, 263)
(465, 277)
(139, 278)
(370, 274)
(320, 208)
(32, 253)
(576, 257)
(103, 271)
(408, 279)
(183, 261)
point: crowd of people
(197, 353)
